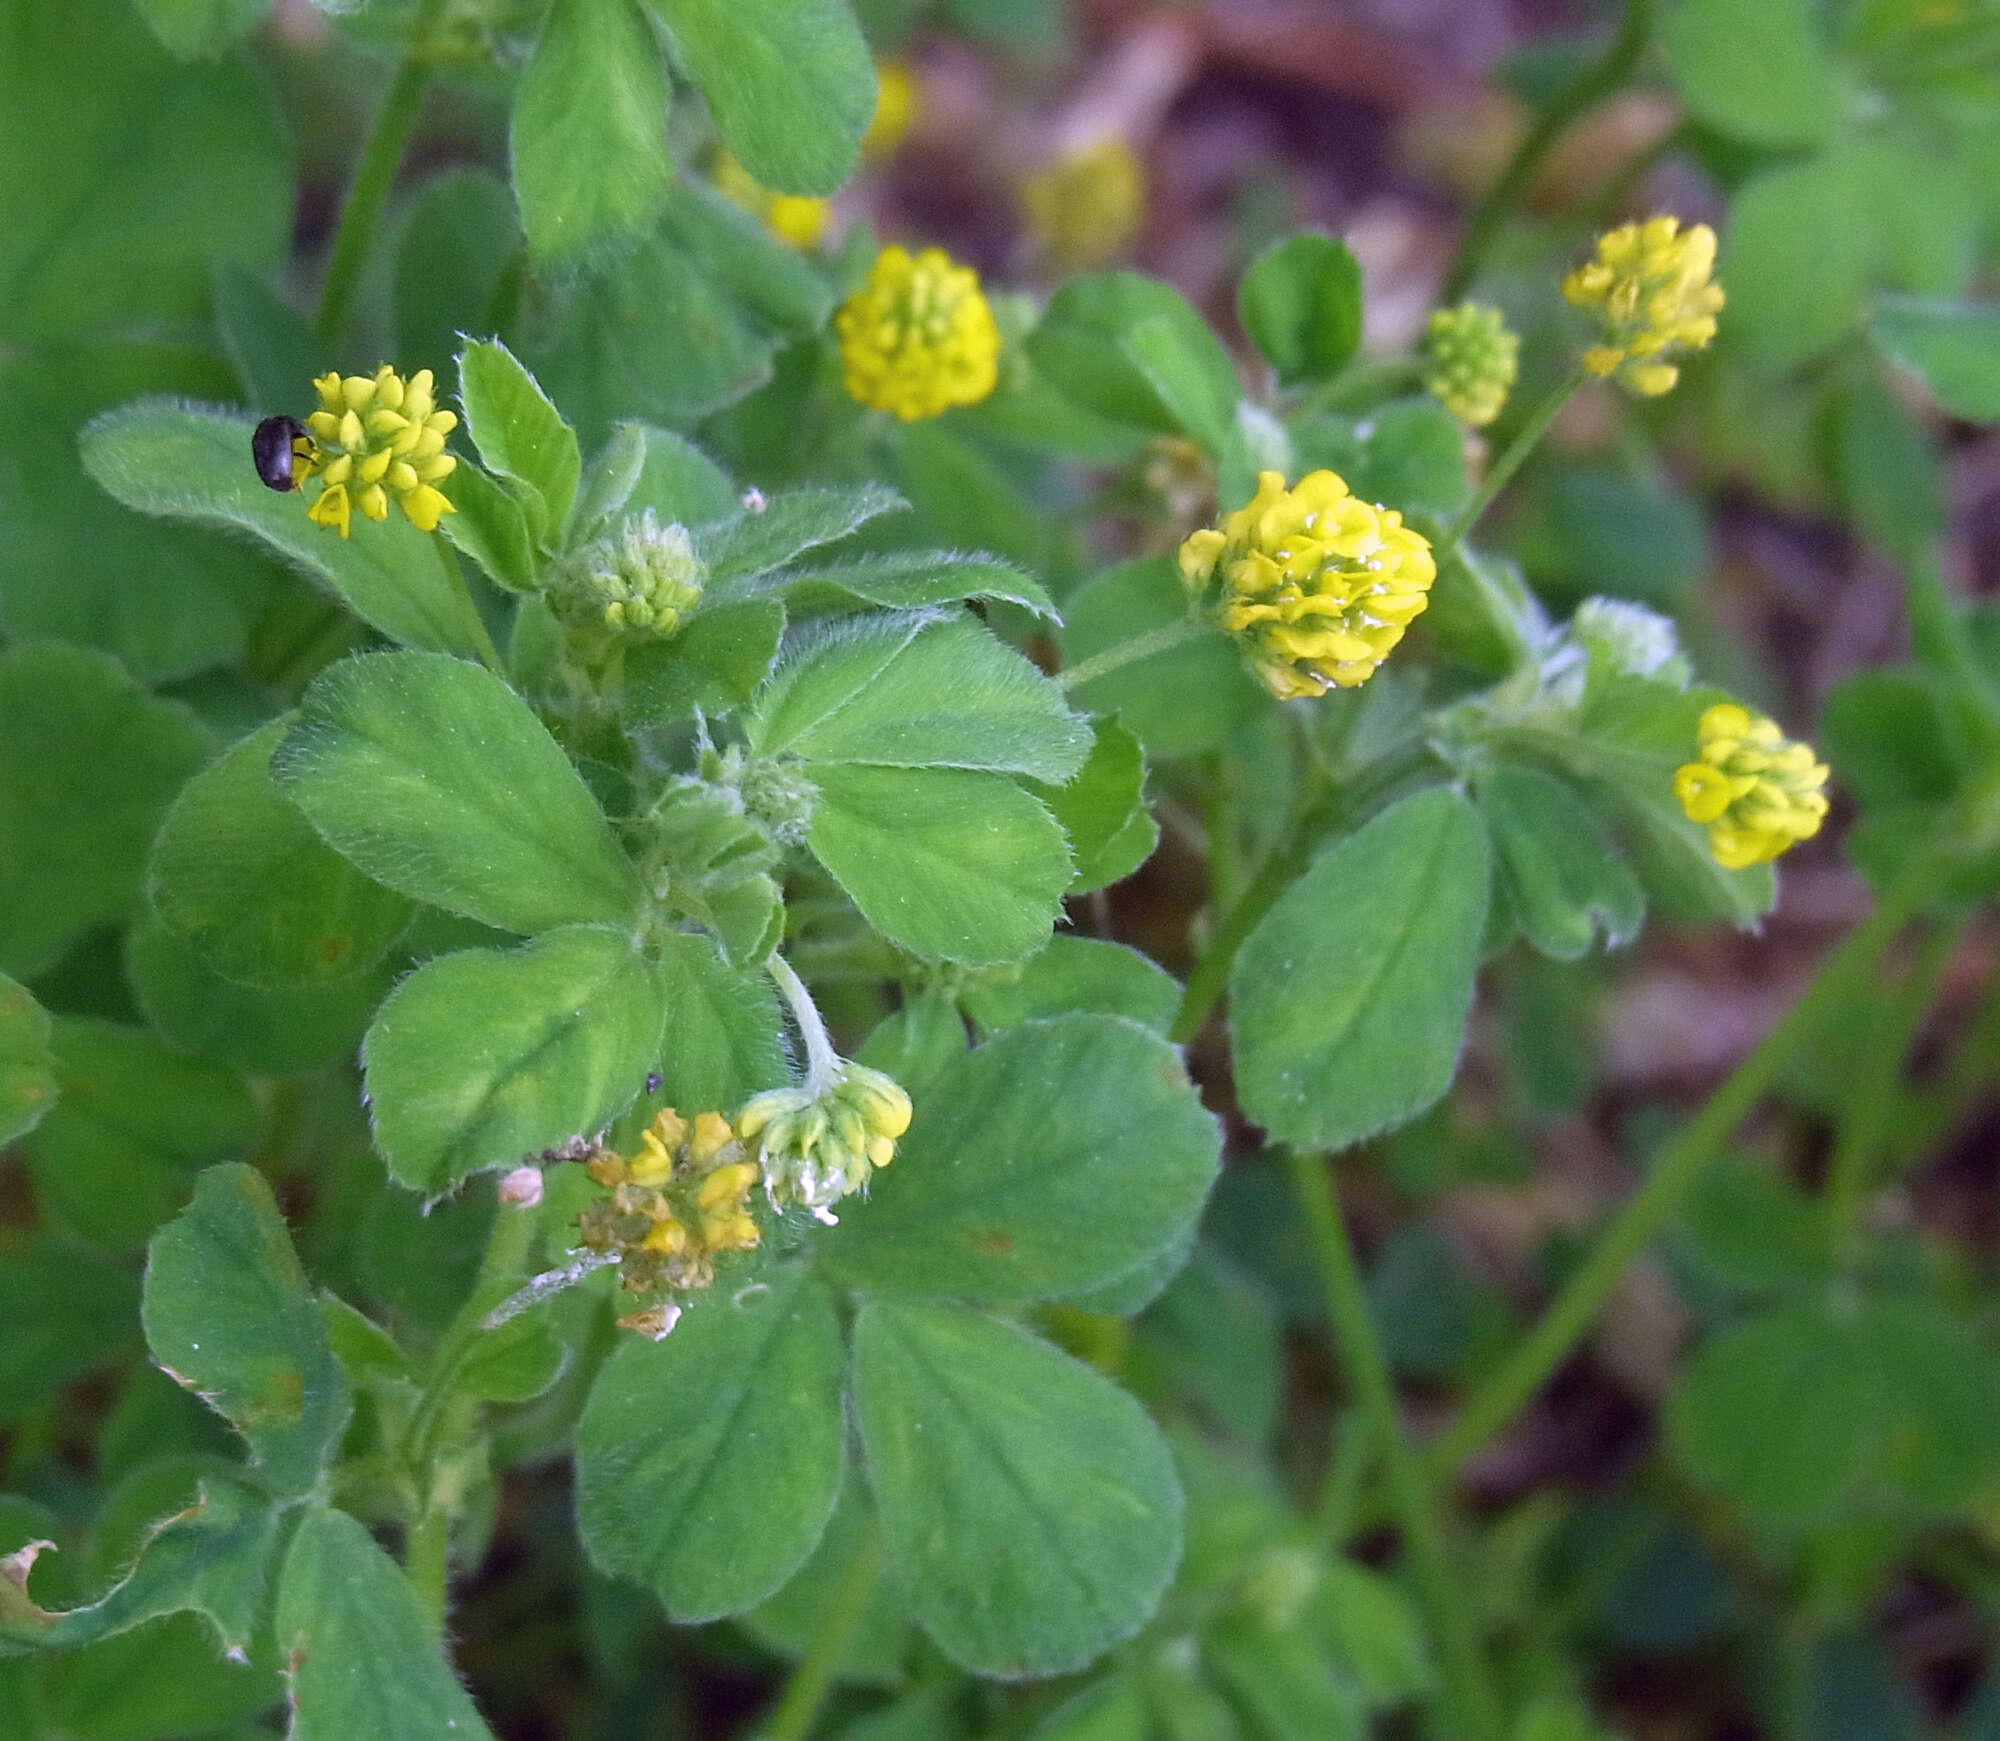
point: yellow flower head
(1755, 792)
(795, 219)
(918, 338)
(896, 99)
(1084, 209)
(1473, 360)
(1319, 584)
(1650, 286)
(379, 437)
(675, 1205)
(818, 1146)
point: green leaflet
(714, 1507)
(360, 1648)
(1348, 1003)
(241, 877)
(480, 1058)
(1053, 1158)
(435, 778)
(1028, 1506)
(229, 1314)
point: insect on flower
(278, 447)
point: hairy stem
(1575, 1308)
(1504, 468)
(1126, 652)
(1590, 87)
(374, 176)
(822, 1061)
(1474, 1710)
(1865, 1120)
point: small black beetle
(275, 447)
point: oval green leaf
(482, 1057)
(707, 1463)
(1029, 1507)
(438, 780)
(1055, 1157)
(1348, 1003)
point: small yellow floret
(1756, 792)
(1651, 287)
(818, 1147)
(1084, 209)
(1473, 361)
(1319, 584)
(378, 437)
(896, 99)
(918, 337)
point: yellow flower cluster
(1473, 360)
(1083, 209)
(794, 218)
(1650, 286)
(378, 437)
(1319, 584)
(675, 1205)
(818, 1146)
(1755, 792)
(918, 337)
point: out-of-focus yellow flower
(1756, 792)
(673, 1207)
(795, 219)
(1084, 209)
(1319, 584)
(896, 100)
(817, 1146)
(1651, 287)
(918, 337)
(378, 438)
(1473, 361)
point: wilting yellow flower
(896, 98)
(378, 437)
(675, 1205)
(1473, 361)
(1319, 584)
(817, 1146)
(1650, 286)
(1755, 792)
(918, 337)
(795, 219)
(1084, 209)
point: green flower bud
(1473, 360)
(641, 583)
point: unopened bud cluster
(1472, 359)
(640, 583)
(819, 1144)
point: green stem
(1224, 849)
(1509, 463)
(426, 1549)
(1582, 1297)
(1340, 1489)
(1590, 87)
(822, 1060)
(374, 176)
(1865, 1120)
(1966, 1082)
(805, 1692)
(1211, 973)
(482, 642)
(1475, 1712)
(1125, 652)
